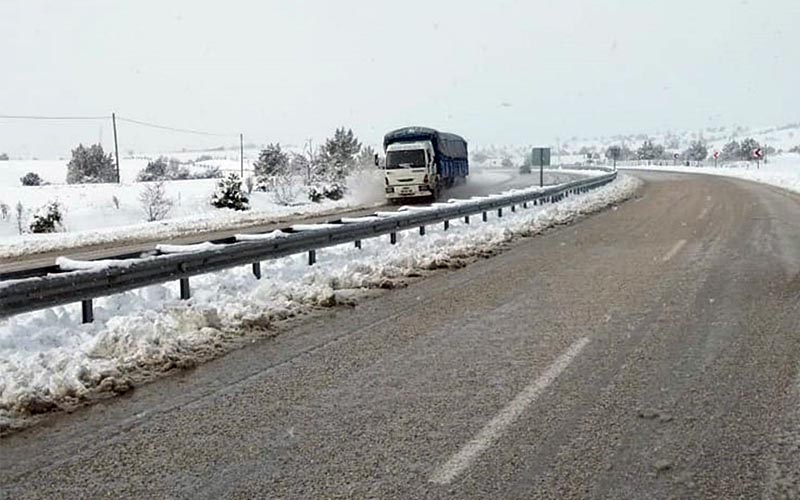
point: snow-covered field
(95, 213)
(112, 213)
(48, 360)
(782, 171)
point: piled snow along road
(49, 361)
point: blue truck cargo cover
(448, 145)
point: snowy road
(482, 182)
(649, 351)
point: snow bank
(48, 360)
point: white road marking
(674, 251)
(703, 214)
(491, 431)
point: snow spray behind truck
(421, 162)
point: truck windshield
(405, 159)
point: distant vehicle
(421, 162)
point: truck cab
(410, 170)
(421, 162)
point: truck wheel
(437, 192)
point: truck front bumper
(407, 191)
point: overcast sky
(506, 72)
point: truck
(421, 162)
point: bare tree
(20, 211)
(284, 188)
(155, 203)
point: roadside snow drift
(49, 360)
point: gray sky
(506, 72)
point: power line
(39, 117)
(174, 129)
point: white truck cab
(410, 170)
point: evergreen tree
(48, 219)
(747, 147)
(271, 161)
(337, 156)
(697, 151)
(90, 165)
(31, 179)
(229, 194)
(650, 151)
(730, 151)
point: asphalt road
(650, 351)
(504, 179)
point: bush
(4, 210)
(155, 170)
(31, 179)
(229, 194)
(90, 165)
(47, 219)
(3, 157)
(333, 191)
(210, 172)
(154, 201)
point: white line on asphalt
(491, 431)
(674, 251)
(703, 214)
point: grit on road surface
(505, 179)
(650, 351)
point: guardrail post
(257, 270)
(186, 292)
(87, 312)
(422, 230)
(524, 204)
(312, 257)
(358, 244)
(466, 219)
(393, 238)
(446, 225)
(513, 208)
(485, 216)
(499, 212)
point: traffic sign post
(716, 156)
(758, 154)
(675, 158)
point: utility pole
(241, 154)
(116, 144)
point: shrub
(154, 201)
(229, 194)
(47, 219)
(4, 211)
(115, 201)
(210, 172)
(3, 157)
(90, 165)
(332, 191)
(155, 170)
(31, 179)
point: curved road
(483, 182)
(650, 351)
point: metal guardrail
(31, 294)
